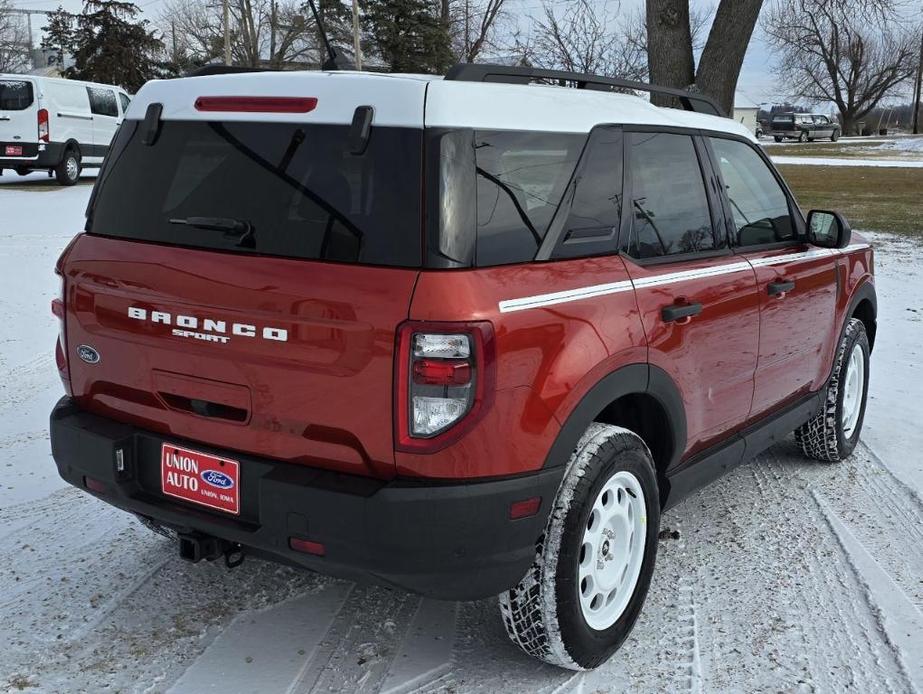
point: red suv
(466, 336)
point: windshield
(15, 95)
(297, 190)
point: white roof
(418, 100)
(57, 80)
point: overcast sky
(756, 84)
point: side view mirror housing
(828, 229)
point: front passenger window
(758, 203)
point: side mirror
(828, 229)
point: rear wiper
(240, 229)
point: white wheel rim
(853, 387)
(612, 551)
(72, 168)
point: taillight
(444, 381)
(60, 353)
(44, 133)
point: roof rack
(476, 72)
(222, 69)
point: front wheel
(835, 136)
(832, 434)
(593, 565)
(803, 136)
(777, 138)
(67, 172)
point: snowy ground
(787, 575)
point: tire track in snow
(836, 618)
(898, 618)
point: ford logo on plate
(217, 479)
(88, 354)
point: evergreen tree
(60, 32)
(113, 47)
(409, 35)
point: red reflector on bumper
(525, 508)
(95, 485)
(257, 104)
(307, 546)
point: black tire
(67, 173)
(542, 614)
(823, 436)
(835, 136)
(810, 139)
(802, 136)
(777, 138)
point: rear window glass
(15, 95)
(521, 177)
(282, 189)
(783, 119)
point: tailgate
(289, 359)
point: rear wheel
(593, 565)
(67, 172)
(802, 136)
(832, 434)
(835, 136)
(777, 138)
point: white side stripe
(542, 300)
(563, 297)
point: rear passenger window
(758, 203)
(15, 95)
(592, 226)
(102, 101)
(521, 177)
(669, 206)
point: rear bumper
(449, 541)
(47, 158)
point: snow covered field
(787, 575)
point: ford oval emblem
(88, 354)
(217, 479)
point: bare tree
(14, 40)
(583, 39)
(830, 51)
(269, 33)
(474, 25)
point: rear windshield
(15, 95)
(283, 189)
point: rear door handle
(780, 289)
(681, 313)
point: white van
(57, 125)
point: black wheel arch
(643, 393)
(71, 146)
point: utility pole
(272, 35)
(227, 32)
(917, 89)
(357, 48)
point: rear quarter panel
(548, 356)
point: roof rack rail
(222, 69)
(477, 72)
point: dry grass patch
(880, 199)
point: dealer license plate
(13, 151)
(201, 478)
